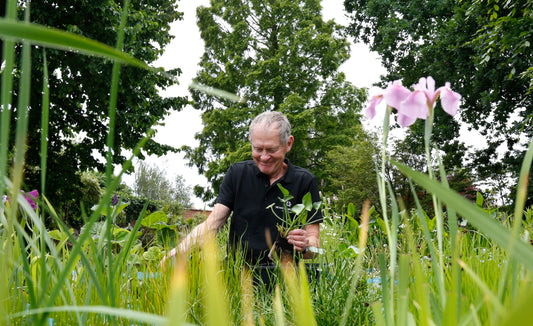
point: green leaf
(58, 39)
(153, 253)
(479, 199)
(284, 191)
(120, 235)
(308, 202)
(476, 216)
(151, 220)
(298, 208)
(351, 210)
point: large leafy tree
(482, 47)
(351, 174)
(277, 55)
(80, 86)
(152, 183)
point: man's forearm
(196, 237)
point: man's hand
(299, 239)
(305, 239)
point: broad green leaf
(153, 253)
(120, 208)
(298, 208)
(120, 235)
(156, 217)
(308, 201)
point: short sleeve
(226, 193)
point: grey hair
(269, 118)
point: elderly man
(249, 187)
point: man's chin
(265, 169)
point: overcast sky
(362, 69)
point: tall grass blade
(489, 295)
(216, 303)
(385, 290)
(279, 316)
(437, 269)
(521, 313)
(377, 308)
(22, 120)
(110, 147)
(247, 298)
(363, 237)
(306, 316)
(13, 30)
(453, 302)
(403, 291)
(421, 289)
(127, 314)
(45, 117)
(8, 58)
(480, 219)
(450, 212)
(178, 294)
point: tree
(482, 47)
(151, 183)
(79, 90)
(278, 55)
(352, 174)
(181, 192)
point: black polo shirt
(247, 192)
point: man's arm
(302, 239)
(212, 224)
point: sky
(362, 69)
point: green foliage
(79, 91)
(299, 217)
(488, 41)
(151, 183)
(351, 175)
(279, 56)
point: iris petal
(405, 120)
(371, 109)
(415, 106)
(395, 94)
(449, 99)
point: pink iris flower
(416, 104)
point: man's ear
(289, 143)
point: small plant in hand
(293, 218)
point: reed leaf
(489, 295)
(127, 314)
(216, 303)
(476, 216)
(45, 117)
(8, 58)
(32, 33)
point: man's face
(267, 151)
